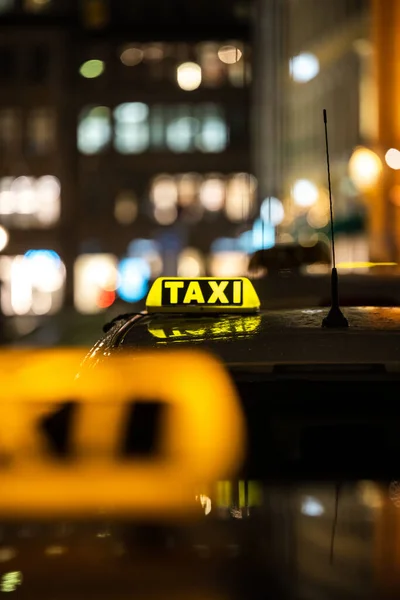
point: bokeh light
(272, 211)
(189, 76)
(4, 237)
(92, 69)
(94, 274)
(392, 158)
(304, 67)
(190, 263)
(212, 194)
(304, 192)
(134, 275)
(365, 167)
(126, 208)
(131, 56)
(229, 54)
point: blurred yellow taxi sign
(78, 468)
(203, 294)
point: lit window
(131, 127)
(33, 283)
(95, 282)
(41, 124)
(181, 134)
(94, 129)
(126, 208)
(214, 133)
(29, 202)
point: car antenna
(335, 318)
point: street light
(365, 167)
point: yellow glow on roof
(364, 265)
(197, 330)
(203, 294)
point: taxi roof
(270, 337)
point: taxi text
(202, 292)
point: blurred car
(321, 420)
(294, 290)
(278, 358)
(288, 257)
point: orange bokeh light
(106, 298)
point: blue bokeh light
(48, 254)
(141, 247)
(261, 237)
(224, 244)
(134, 275)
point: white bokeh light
(305, 193)
(212, 194)
(189, 76)
(304, 67)
(365, 167)
(4, 237)
(392, 158)
(272, 211)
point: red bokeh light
(106, 298)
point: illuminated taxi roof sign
(202, 294)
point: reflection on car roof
(273, 336)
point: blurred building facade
(326, 59)
(125, 147)
(327, 52)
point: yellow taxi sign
(201, 437)
(202, 294)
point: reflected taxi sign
(227, 327)
(202, 294)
